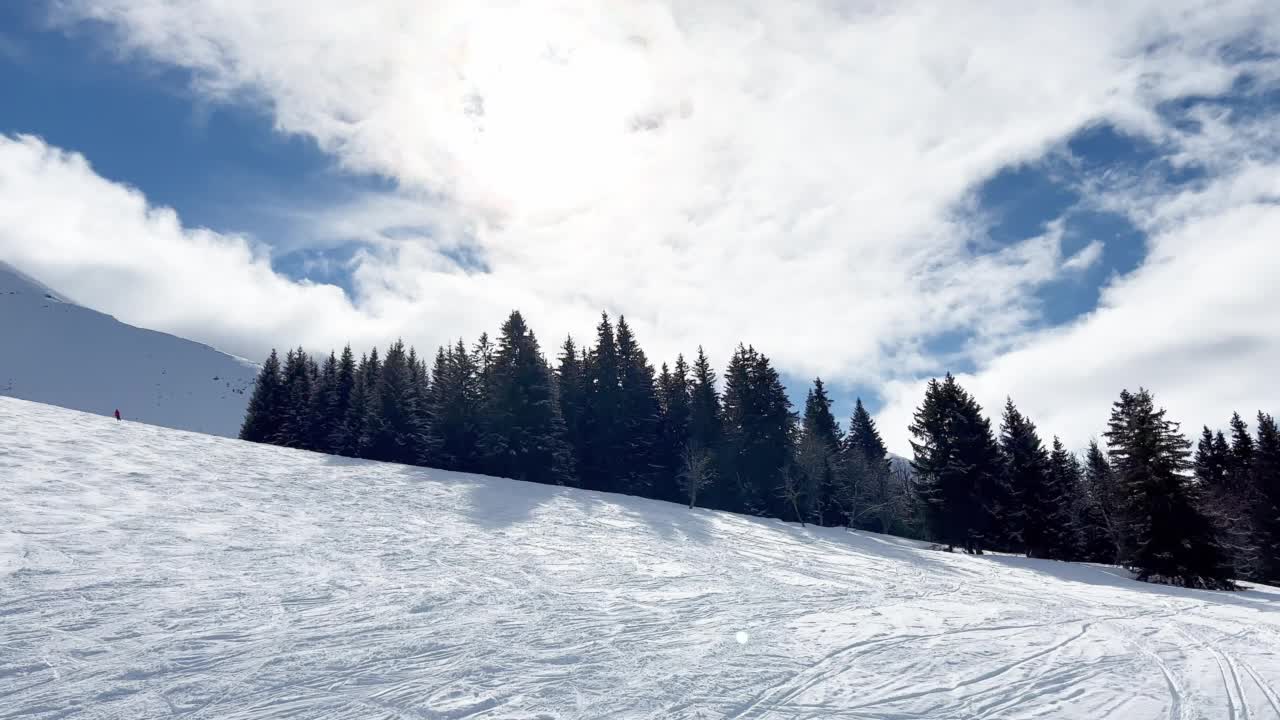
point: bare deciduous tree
(695, 471)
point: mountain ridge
(59, 352)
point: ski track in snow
(147, 573)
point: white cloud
(101, 244)
(1085, 258)
(791, 175)
(1196, 324)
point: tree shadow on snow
(343, 461)
(1110, 576)
(499, 503)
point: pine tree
(1265, 479)
(362, 396)
(341, 441)
(604, 444)
(641, 463)
(1240, 461)
(866, 492)
(957, 461)
(1100, 524)
(263, 417)
(1170, 539)
(571, 385)
(706, 429)
(1060, 533)
(674, 402)
(524, 436)
(759, 430)
(323, 398)
(1025, 491)
(456, 403)
(423, 418)
(818, 457)
(295, 421)
(1212, 459)
(482, 357)
(1223, 475)
(392, 429)
(1036, 503)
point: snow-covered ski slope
(54, 351)
(147, 572)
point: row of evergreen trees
(604, 419)
(1138, 504)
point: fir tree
(1025, 494)
(1212, 459)
(758, 434)
(864, 435)
(263, 418)
(819, 457)
(866, 492)
(641, 463)
(482, 357)
(571, 387)
(456, 402)
(957, 462)
(1265, 477)
(1061, 536)
(295, 421)
(392, 429)
(341, 441)
(604, 445)
(1100, 524)
(323, 399)
(1223, 478)
(423, 418)
(524, 436)
(673, 433)
(705, 427)
(1170, 539)
(361, 398)
(1240, 461)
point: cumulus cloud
(102, 244)
(795, 175)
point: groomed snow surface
(147, 572)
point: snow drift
(146, 572)
(57, 352)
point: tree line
(602, 418)
(1147, 502)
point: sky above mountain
(1052, 200)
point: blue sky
(221, 166)
(434, 199)
(226, 167)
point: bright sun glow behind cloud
(800, 176)
(543, 107)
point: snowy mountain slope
(54, 351)
(146, 572)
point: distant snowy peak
(55, 351)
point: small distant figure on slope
(117, 414)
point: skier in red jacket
(117, 414)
